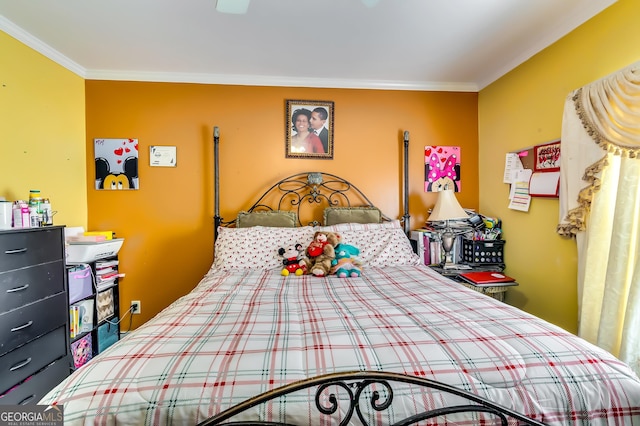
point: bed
(400, 344)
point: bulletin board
(533, 172)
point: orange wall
(167, 224)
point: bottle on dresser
(34, 213)
(21, 218)
(6, 214)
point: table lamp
(447, 208)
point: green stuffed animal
(345, 264)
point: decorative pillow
(342, 227)
(336, 215)
(256, 247)
(275, 218)
(381, 244)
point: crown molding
(227, 79)
(551, 36)
(259, 80)
(36, 44)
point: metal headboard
(307, 189)
(350, 387)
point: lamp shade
(447, 207)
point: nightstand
(496, 291)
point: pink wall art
(442, 168)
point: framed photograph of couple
(309, 129)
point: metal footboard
(378, 386)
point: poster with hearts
(441, 168)
(116, 163)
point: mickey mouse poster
(116, 164)
(442, 168)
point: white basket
(83, 252)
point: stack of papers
(106, 273)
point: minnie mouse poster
(442, 168)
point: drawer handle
(15, 251)
(22, 364)
(26, 400)
(13, 290)
(22, 327)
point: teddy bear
(345, 264)
(292, 260)
(320, 253)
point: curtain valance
(601, 117)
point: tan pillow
(276, 218)
(336, 215)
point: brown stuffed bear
(320, 253)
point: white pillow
(256, 247)
(381, 244)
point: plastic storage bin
(483, 252)
(497, 292)
(80, 283)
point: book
(423, 239)
(103, 285)
(435, 250)
(100, 264)
(426, 249)
(85, 316)
(85, 238)
(74, 321)
(487, 278)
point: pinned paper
(519, 195)
(512, 165)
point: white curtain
(600, 207)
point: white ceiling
(452, 45)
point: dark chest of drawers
(34, 314)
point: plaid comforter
(240, 333)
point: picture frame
(116, 164)
(442, 168)
(300, 141)
(547, 157)
(162, 156)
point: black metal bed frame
(308, 189)
(354, 384)
(312, 188)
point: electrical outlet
(135, 307)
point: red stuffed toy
(321, 252)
